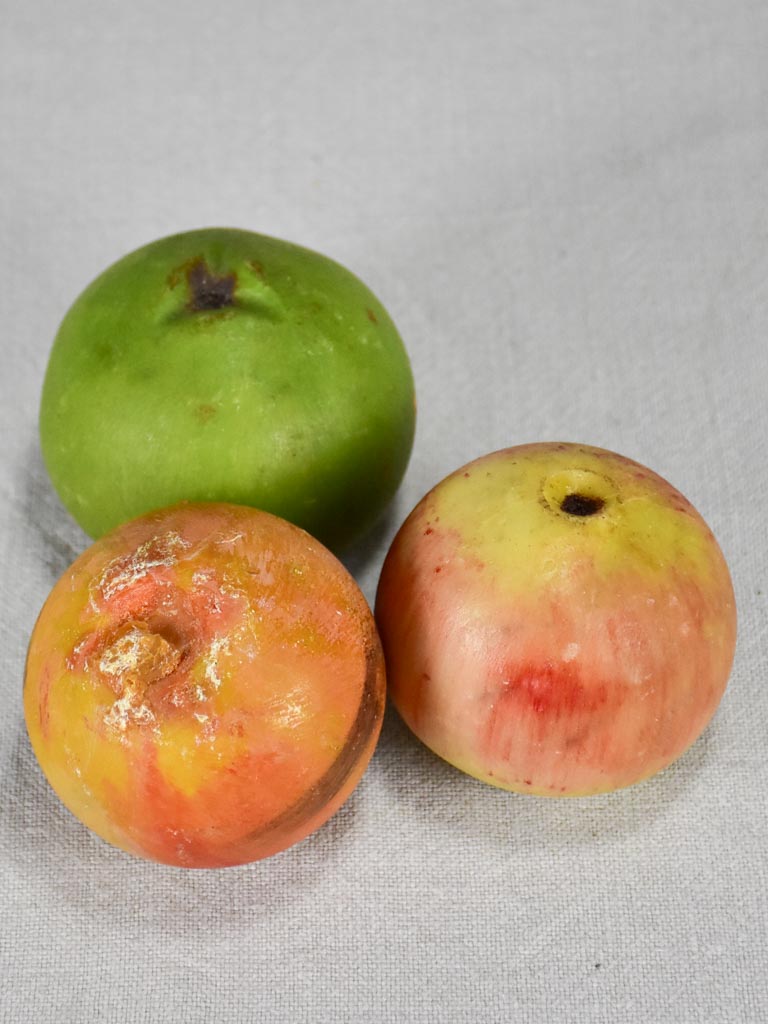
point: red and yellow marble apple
(204, 686)
(557, 619)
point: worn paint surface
(204, 686)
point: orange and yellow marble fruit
(557, 619)
(204, 686)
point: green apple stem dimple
(581, 504)
(207, 291)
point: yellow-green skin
(556, 652)
(221, 365)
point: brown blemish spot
(576, 739)
(438, 568)
(257, 268)
(207, 291)
(527, 782)
(205, 412)
(428, 531)
(371, 316)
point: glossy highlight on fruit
(204, 686)
(222, 365)
(557, 619)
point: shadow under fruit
(222, 365)
(204, 686)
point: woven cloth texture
(564, 206)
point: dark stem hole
(207, 291)
(581, 505)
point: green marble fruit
(222, 365)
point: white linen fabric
(564, 206)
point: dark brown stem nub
(581, 505)
(207, 291)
